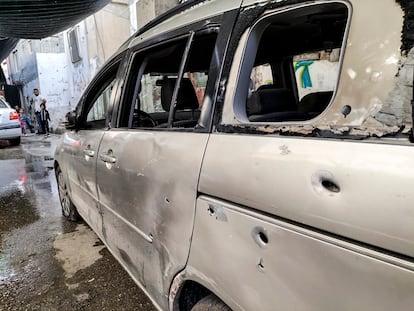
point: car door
(148, 167)
(84, 143)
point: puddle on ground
(44, 186)
(39, 239)
(16, 210)
(35, 163)
(38, 175)
(37, 144)
(30, 216)
(77, 250)
(17, 198)
(10, 152)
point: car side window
(155, 77)
(294, 61)
(3, 104)
(98, 99)
(99, 108)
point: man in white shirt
(37, 102)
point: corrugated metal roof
(39, 19)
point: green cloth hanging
(305, 78)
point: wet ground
(46, 262)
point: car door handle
(108, 158)
(89, 152)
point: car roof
(185, 14)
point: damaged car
(254, 155)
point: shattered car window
(296, 65)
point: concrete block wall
(146, 10)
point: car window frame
(248, 22)
(225, 22)
(252, 45)
(95, 89)
(128, 81)
(189, 38)
(100, 123)
(3, 102)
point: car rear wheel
(68, 209)
(15, 141)
(210, 303)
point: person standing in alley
(22, 125)
(37, 103)
(44, 119)
(27, 122)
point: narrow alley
(46, 262)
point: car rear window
(3, 104)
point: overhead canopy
(6, 46)
(37, 19)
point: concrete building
(40, 64)
(63, 65)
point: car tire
(210, 303)
(15, 141)
(68, 209)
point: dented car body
(254, 155)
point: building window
(74, 46)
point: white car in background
(9, 124)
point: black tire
(68, 209)
(210, 303)
(15, 141)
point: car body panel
(297, 269)
(81, 154)
(283, 177)
(10, 132)
(9, 129)
(148, 199)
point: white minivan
(254, 155)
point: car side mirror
(71, 120)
